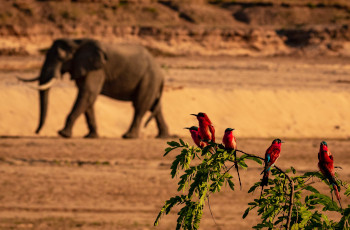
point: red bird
(230, 144)
(195, 136)
(206, 129)
(325, 164)
(271, 156)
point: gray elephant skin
(122, 72)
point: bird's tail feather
(236, 165)
(264, 182)
(336, 192)
(265, 178)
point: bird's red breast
(195, 137)
(206, 128)
(273, 152)
(325, 162)
(229, 140)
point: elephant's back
(128, 66)
(128, 51)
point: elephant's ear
(64, 48)
(88, 57)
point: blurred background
(264, 56)
(268, 68)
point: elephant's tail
(156, 105)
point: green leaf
(311, 189)
(313, 174)
(182, 142)
(246, 212)
(231, 184)
(173, 144)
(295, 226)
(167, 150)
(242, 164)
(252, 189)
(326, 201)
(220, 146)
(347, 191)
(326, 219)
(257, 160)
(206, 149)
(293, 170)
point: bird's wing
(212, 131)
(271, 156)
(327, 172)
(268, 159)
(330, 155)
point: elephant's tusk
(44, 86)
(27, 80)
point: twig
(251, 155)
(229, 168)
(211, 213)
(313, 182)
(296, 209)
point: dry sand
(259, 98)
(53, 183)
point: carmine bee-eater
(195, 136)
(325, 164)
(271, 155)
(206, 129)
(230, 144)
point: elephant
(124, 72)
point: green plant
(290, 201)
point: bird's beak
(186, 128)
(194, 114)
(283, 142)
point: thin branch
(229, 168)
(313, 182)
(296, 209)
(251, 155)
(211, 213)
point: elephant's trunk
(49, 72)
(44, 98)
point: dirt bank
(253, 28)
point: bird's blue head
(229, 130)
(192, 128)
(277, 141)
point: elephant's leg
(91, 122)
(163, 131)
(89, 88)
(134, 129)
(142, 103)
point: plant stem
(291, 184)
(291, 197)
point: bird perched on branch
(206, 129)
(271, 156)
(195, 136)
(230, 144)
(325, 164)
